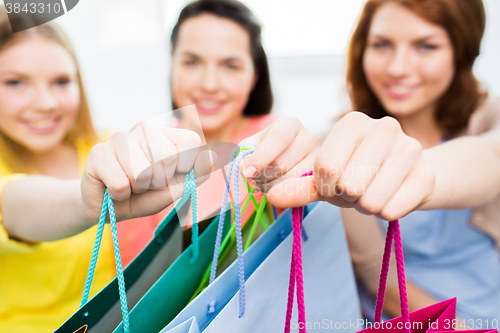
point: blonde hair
(13, 154)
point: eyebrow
(417, 40)
(25, 75)
(231, 58)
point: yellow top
(41, 285)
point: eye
(231, 66)
(13, 83)
(427, 47)
(190, 62)
(62, 82)
(381, 45)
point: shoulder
(261, 122)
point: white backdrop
(123, 50)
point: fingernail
(250, 172)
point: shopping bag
(102, 313)
(176, 286)
(330, 291)
(440, 317)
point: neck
(422, 127)
(60, 162)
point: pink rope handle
(393, 233)
(296, 274)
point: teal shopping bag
(102, 312)
(173, 290)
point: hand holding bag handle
(296, 276)
(108, 206)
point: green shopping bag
(102, 312)
(173, 290)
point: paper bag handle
(393, 234)
(296, 274)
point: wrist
(77, 201)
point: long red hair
(464, 20)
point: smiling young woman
(220, 66)
(53, 174)
(412, 60)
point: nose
(210, 79)
(399, 62)
(44, 100)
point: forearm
(39, 208)
(467, 173)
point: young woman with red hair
(424, 147)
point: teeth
(401, 89)
(208, 104)
(42, 124)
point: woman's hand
(364, 163)
(285, 149)
(143, 170)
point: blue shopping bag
(329, 285)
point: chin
(42, 145)
(401, 109)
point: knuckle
(324, 169)
(355, 117)
(412, 146)
(120, 189)
(389, 214)
(117, 137)
(97, 150)
(389, 125)
(193, 139)
(371, 205)
(282, 133)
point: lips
(400, 91)
(42, 126)
(208, 107)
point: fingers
(187, 144)
(413, 192)
(367, 164)
(389, 177)
(203, 166)
(336, 151)
(298, 192)
(153, 156)
(281, 147)
(305, 165)
(375, 147)
(109, 171)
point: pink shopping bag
(439, 317)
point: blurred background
(123, 49)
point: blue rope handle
(107, 205)
(190, 191)
(239, 241)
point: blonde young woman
(53, 174)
